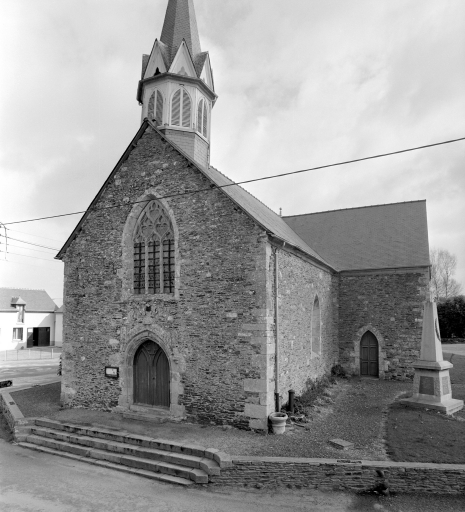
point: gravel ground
(355, 412)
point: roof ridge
(245, 190)
(354, 208)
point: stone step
(112, 435)
(208, 465)
(161, 477)
(144, 416)
(197, 475)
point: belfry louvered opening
(202, 118)
(156, 104)
(181, 106)
(154, 255)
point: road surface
(29, 373)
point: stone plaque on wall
(426, 385)
(445, 386)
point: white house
(29, 318)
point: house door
(369, 355)
(151, 376)
(38, 337)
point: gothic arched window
(202, 118)
(316, 327)
(181, 109)
(156, 107)
(154, 252)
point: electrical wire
(35, 236)
(26, 256)
(30, 243)
(26, 248)
(254, 180)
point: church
(186, 297)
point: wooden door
(369, 355)
(151, 376)
(43, 336)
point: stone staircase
(157, 459)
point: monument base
(450, 406)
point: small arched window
(316, 327)
(154, 252)
(156, 107)
(202, 118)
(181, 109)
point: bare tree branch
(443, 265)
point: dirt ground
(355, 411)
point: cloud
(300, 83)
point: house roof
(35, 300)
(372, 237)
(180, 23)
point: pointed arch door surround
(369, 355)
(151, 376)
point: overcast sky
(301, 83)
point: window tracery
(154, 260)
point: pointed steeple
(177, 90)
(180, 23)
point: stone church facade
(192, 299)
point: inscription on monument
(427, 385)
(445, 386)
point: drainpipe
(276, 316)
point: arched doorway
(151, 376)
(369, 355)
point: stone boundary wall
(343, 475)
(10, 410)
(322, 474)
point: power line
(26, 256)
(23, 263)
(254, 180)
(30, 243)
(35, 236)
(26, 248)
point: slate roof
(36, 300)
(260, 213)
(372, 237)
(180, 23)
(265, 217)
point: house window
(156, 107)
(202, 118)
(20, 314)
(154, 261)
(316, 327)
(17, 334)
(181, 109)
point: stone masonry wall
(343, 475)
(299, 283)
(391, 306)
(212, 329)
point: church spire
(180, 23)
(177, 91)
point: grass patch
(39, 400)
(421, 435)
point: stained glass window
(154, 260)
